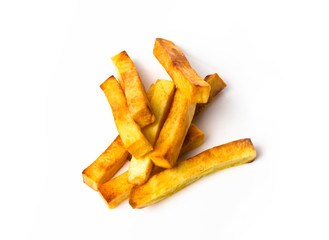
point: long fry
(169, 181)
(179, 69)
(138, 103)
(130, 133)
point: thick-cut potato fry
(180, 70)
(139, 106)
(118, 189)
(106, 165)
(186, 172)
(110, 161)
(132, 137)
(217, 85)
(173, 132)
(140, 169)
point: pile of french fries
(155, 128)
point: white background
(55, 120)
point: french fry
(106, 165)
(110, 161)
(169, 181)
(217, 85)
(180, 70)
(140, 168)
(118, 189)
(129, 131)
(139, 106)
(173, 132)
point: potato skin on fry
(173, 132)
(180, 71)
(139, 106)
(130, 133)
(169, 181)
(106, 165)
(118, 189)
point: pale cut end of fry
(173, 132)
(139, 105)
(118, 189)
(106, 165)
(130, 132)
(217, 85)
(180, 70)
(169, 181)
(139, 170)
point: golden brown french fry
(140, 168)
(110, 161)
(118, 189)
(180, 70)
(130, 133)
(217, 85)
(139, 106)
(173, 132)
(186, 172)
(106, 165)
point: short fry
(130, 133)
(106, 165)
(180, 71)
(139, 106)
(217, 85)
(173, 132)
(118, 189)
(169, 181)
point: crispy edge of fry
(173, 132)
(130, 132)
(106, 165)
(118, 189)
(180, 70)
(169, 181)
(217, 85)
(139, 105)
